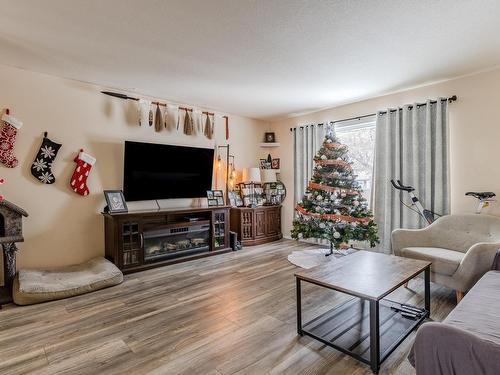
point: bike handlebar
(400, 186)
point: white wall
(63, 227)
(474, 135)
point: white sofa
(460, 247)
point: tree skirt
(315, 257)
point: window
(359, 136)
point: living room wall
(63, 227)
(474, 133)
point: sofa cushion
(444, 261)
(35, 286)
(478, 311)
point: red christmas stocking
(7, 140)
(84, 163)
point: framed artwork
(215, 198)
(239, 201)
(232, 199)
(212, 202)
(264, 164)
(270, 137)
(274, 193)
(115, 201)
(252, 194)
(275, 164)
(235, 199)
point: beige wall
(63, 227)
(474, 135)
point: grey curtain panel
(307, 140)
(411, 145)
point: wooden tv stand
(140, 240)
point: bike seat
(482, 195)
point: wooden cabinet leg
(460, 295)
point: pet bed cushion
(35, 286)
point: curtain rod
(449, 100)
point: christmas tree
(333, 207)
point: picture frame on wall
(218, 193)
(275, 164)
(270, 137)
(210, 194)
(115, 201)
(220, 201)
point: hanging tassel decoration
(188, 124)
(150, 116)
(212, 128)
(158, 119)
(143, 106)
(208, 128)
(227, 127)
(165, 117)
(195, 117)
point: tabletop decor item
(275, 164)
(215, 198)
(115, 201)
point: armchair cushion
(444, 261)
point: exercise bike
(484, 199)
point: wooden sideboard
(258, 225)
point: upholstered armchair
(461, 248)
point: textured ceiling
(261, 59)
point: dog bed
(35, 286)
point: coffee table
(367, 326)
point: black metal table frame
(375, 358)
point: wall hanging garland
(192, 120)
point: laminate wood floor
(229, 314)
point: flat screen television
(156, 171)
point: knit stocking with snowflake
(41, 168)
(333, 207)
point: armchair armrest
(440, 348)
(496, 262)
(476, 262)
(401, 238)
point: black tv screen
(155, 171)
